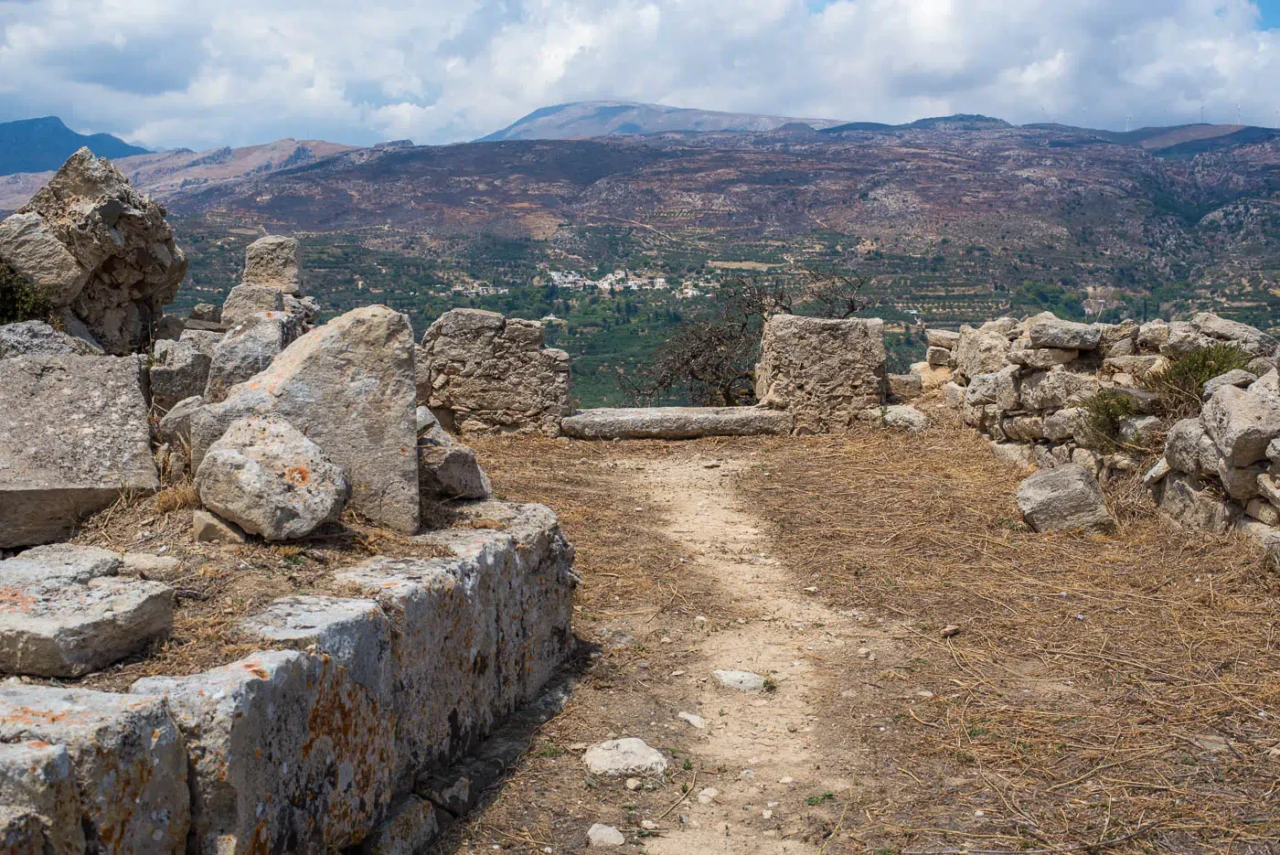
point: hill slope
(40, 145)
(586, 119)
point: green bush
(1180, 385)
(19, 299)
(1104, 413)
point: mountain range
(39, 145)
(586, 119)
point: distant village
(618, 281)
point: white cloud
(201, 73)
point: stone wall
(1026, 384)
(827, 374)
(482, 373)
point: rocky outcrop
(822, 372)
(349, 387)
(269, 479)
(73, 437)
(99, 250)
(677, 423)
(482, 373)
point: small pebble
(950, 631)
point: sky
(207, 73)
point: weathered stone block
(73, 436)
(1064, 335)
(274, 261)
(492, 374)
(248, 348)
(1193, 504)
(1064, 499)
(36, 338)
(677, 423)
(245, 302)
(447, 469)
(938, 356)
(288, 753)
(823, 372)
(1243, 422)
(129, 760)
(999, 388)
(348, 386)
(1053, 390)
(180, 370)
(37, 777)
(980, 352)
(945, 339)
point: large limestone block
(275, 262)
(269, 479)
(1053, 390)
(979, 352)
(999, 388)
(247, 349)
(245, 301)
(349, 387)
(36, 338)
(1251, 340)
(129, 761)
(1194, 504)
(1041, 358)
(823, 372)
(69, 629)
(73, 436)
(37, 777)
(179, 370)
(1066, 498)
(475, 634)
(492, 374)
(124, 265)
(447, 469)
(932, 376)
(677, 423)
(34, 251)
(1064, 335)
(288, 753)
(1242, 422)
(945, 339)
(1189, 449)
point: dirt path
(770, 743)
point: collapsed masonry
(332, 735)
(1029, 386)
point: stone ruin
(341, 729)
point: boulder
(1184, 339)
(274, 262)
(285, 751)
(348, 387)
(821, 371)
(246, 301)
(73, 437)
(624, 757)
(247, 349)
(37, 777)
(95, 246)
(1192, 504)
(677, 423)
(127, 756)
(483, 373)
(980, 352)
(1249, 339)
(1242, 422)
(1237, 377)
(1067, 498)
(945, 339)
(447, 469)
(68, 616)
(36, 338)
(179, 370)
(1064, 335)
(903, 417)
(269, 479)
(1053, 390)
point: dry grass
(1116, 692)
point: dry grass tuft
(176, 498)
(1116, 692)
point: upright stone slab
(483, 373)
(275, 262)
(94, 245)
(288, 753)
(73, 437)
(349, 387)
(128, 757)
(245, 301)
(823, 372)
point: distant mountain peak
(586, 119)
(44, 144)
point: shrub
(1179, 386)
(20, 300)
(1104, 413)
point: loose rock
(624, 757)
(1064, 499)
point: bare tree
(710, 360)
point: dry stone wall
(1029, 386)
